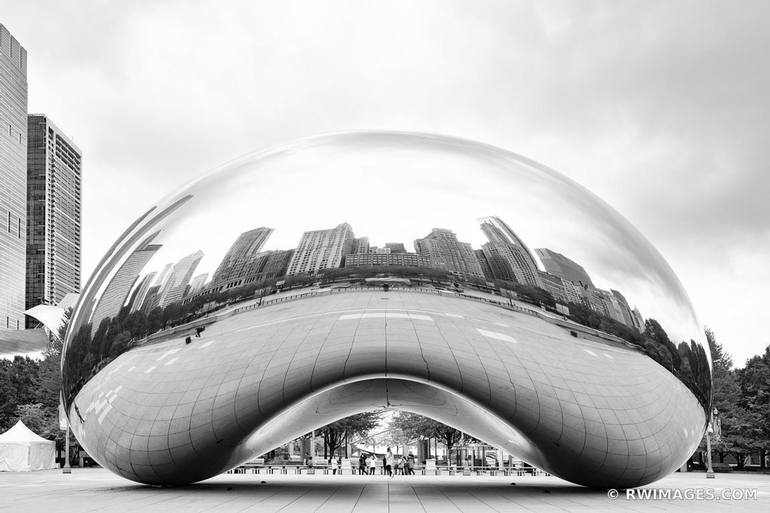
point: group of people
(391, 464)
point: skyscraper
(484, 263)
(320, 249)
(176, 285)
(561, 266)
(117, 290)
(498, 257)
(153, 293)
(243, 250)
(396, 247)
(197, 282)
(13, 177)
(141, 291)
(444, 251)
(53, 213)
(505, 245)
(625, 310)
(375, 259)
(356, 246)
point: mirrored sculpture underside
(587, 409)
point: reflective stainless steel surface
(379, 269)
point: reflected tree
(336, 433)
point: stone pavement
(97, 490)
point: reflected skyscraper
(375, 259)
(486, 268)
(396, 247)
(264, 266)
(561, 266)
(444, 251)
(53, 213)
(197, 282)
(320, 249)
(115, 294)
(243, 250)
(13, 177)
(555, 286)
(175, 287)
(506, 248)
(356, 245)
(153, 295)
(142, 290)
(625, 310)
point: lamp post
(67, 469)
(709, 430)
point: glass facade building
(53, 213)
(13, 179)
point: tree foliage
(30, 389)
(740, 398)
(334, 434)
(417, 427)
(754, 383)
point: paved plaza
(98, 490)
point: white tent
(22, 450)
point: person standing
(333, 465)
(389, 463)
(372, 464)
(410, 464)
(362, 464)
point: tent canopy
(20, 433)
(23, 450)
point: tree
(528, 293)
(39, 419)
(754, 382)
(334, 434)
(18, 385)
(49, 386)
(726, 394)
(418, 427)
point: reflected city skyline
(336, 258)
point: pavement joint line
(295, 500)
(355, 505)
(418, 498)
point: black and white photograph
(374, 256)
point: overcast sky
(661, 108)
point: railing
(419, 471)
